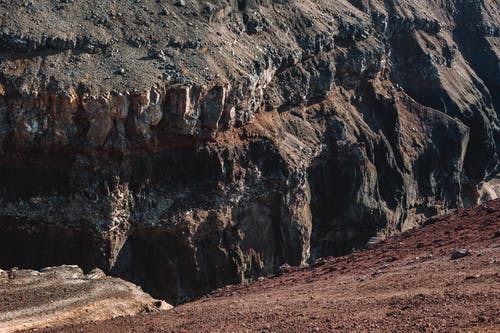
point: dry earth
(406, 283)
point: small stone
(95, 274)
(208, 7)
(319, 262)
(482, 319)
(180, 3)
(158, 54)
(162, 305)
(460, 253)
(372, 242)
(285, 268)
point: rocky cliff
(185, 145)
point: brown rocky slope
(442, 277)
(185, 145)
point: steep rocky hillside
(185, 145)
(442, 277)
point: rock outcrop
(57, 296)
(189, 145)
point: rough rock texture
(406, 283)
(56, 296)
(188, 146)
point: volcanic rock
(56, 296)
(460, 253)
(267, 132)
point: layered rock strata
(188, 146)
(57, 296)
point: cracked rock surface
(62, 295)
(186, 145)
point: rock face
(56, 296)
(184, 146)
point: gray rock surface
(185, 147)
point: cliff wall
(185, 145)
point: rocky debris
(159, 305)
(180, 3)
(283, 269)
(56, 296)
(460, 253)
(319, 262)
(372, 242)
(229, 139)
(96, 273)
(341, 295)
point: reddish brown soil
(407, 283)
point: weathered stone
(183, 110)
(98, 113)
(460, 253)
(212, 108)
(96, 273)
(276, 133)
(72, 298)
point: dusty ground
(407, 283)
(61, 295)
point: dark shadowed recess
(156, 247)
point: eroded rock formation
(57, 296)
(188, 146)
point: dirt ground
(406, 283)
